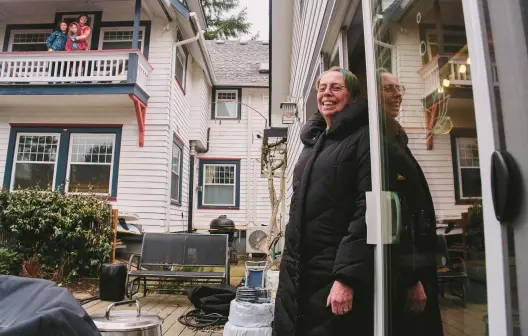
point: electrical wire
(199, 319)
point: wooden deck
(168, 307)
(457, 320)
(460, 321)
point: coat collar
(351, 118)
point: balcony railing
(446, 70)
(120, 66)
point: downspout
(190, 209)
(211, 79)
(191, 189)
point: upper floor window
(227, 104)
(28, 40)
(120, 38)
(467, 168)
(180, 66)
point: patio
(457, 320)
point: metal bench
(178, 257)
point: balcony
(449, 74)
(87, 79)
(113, 72)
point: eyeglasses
(334, 88)
(394, 88)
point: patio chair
(449, 275)
(179, 257)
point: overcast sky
(258, 16)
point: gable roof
(238, 64)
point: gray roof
(238, 64)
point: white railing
(457, 72)
(143, 71)
(69, 67)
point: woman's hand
(340, 298)
(417, 298)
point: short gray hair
(351, 81)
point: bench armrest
(138, 256)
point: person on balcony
(71, 41)
(84, 33)
(413, 287)
(57, 40)
(326, 271)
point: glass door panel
(428, 174)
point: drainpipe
(191, 189)
(211, 78)
(191, 180)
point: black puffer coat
(326, 234)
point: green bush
(10, 262)
(70, 234)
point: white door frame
(495, 234)
(375, 210)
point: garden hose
(199, 319)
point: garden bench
(179, 257)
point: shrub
(10, 261)
(66, 233)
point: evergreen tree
(219, 24)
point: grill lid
(126, 320)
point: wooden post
(135, 31)
(115, 214)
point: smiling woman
(335, 88)
(329, 266)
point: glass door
(444, 263)
(501, 57)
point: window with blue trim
(74, 160)
(226, 103)
(176, 171)
(219, 185)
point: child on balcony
(57, 40)
(71, 42)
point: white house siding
(436, 163)
(200, 105)
(141, 182)
(237, 139)
(180, 117)
(307, 24)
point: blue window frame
(219, 184)
(176, 171)
(226, 103)
(69, 159)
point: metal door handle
(505, 186)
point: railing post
(133, 64)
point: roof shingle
(238, 64)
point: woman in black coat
(326, 271)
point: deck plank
(171, 326)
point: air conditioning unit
(257, 239)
